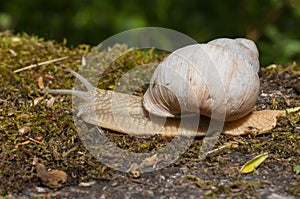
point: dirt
(35, 124)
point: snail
(217, 80)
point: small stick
(40, 64)
(33, 140)
(232, 144)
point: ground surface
(35, 124)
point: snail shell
(220, 77)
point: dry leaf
(49, 77)
(251, 165)
(149, 161)
(37, 100)
(22, 115)
(41, 82)
(135, 168)
(24, 130)
(293, 110)
(53, 178)
(39, 138)
(11, 112)
(50, 102)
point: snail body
(180, 87)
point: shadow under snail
(218, 79)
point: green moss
(52, 136)
(18, 92)
(239, 189)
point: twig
(33, 140)
(40, 64)
(231, 144)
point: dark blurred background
(273, 24)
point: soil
(38, 125)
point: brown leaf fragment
(37, 100)
(53, 179)
(11, 112)
(24, 130)
(49, 77)
(135, 168)
(50, 102)
(39, 138)
(41, 82)
(22, 115)
(150, 161)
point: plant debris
(252, 164)
(53, 179)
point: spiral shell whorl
(212, 79)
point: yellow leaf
(251, 165)
(293, 110)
